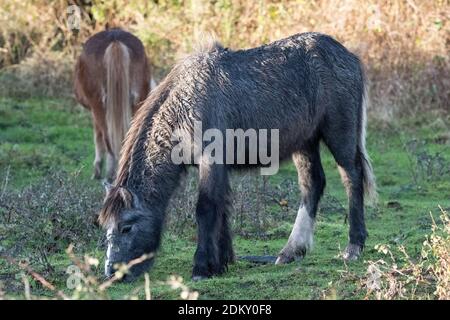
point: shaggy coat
(307, 86)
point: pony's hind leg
(345, 151)
(352, 178)
(100, 150)
(214, 249)
(312, 183)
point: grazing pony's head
(131, 231)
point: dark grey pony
(308, 86)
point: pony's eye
(125, 229)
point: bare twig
(26, 267)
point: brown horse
(112, 77)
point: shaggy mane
(133, 148)
(207, 43)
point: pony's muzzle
(109, 270)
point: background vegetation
(404, 43)
(48, 202)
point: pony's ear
(108, 186)
(126, 196)
(129, 198)
(136, 202)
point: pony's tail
(118, 103)
(370, 187)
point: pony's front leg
(214, 249)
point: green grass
(39, 137)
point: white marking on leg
(301, 238)
(303, 230)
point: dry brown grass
(46, 74)
(402, 277)
(404, 43)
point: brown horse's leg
(100, 150)
(311, 180)
(102, 144)
(111, 164)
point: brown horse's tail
(118, 103)
(370, 187)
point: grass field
(48, 140)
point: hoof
(199, 278)
(285, 259)
(352, 252)
(288, 255)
